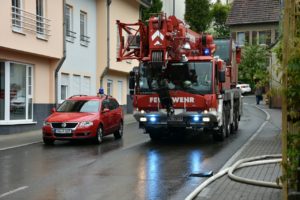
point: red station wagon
(84, 117)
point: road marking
(13, 191)
(21, 145)
(233, 158)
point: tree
(254, 65)
(219, 13)
(155, 8)
(197, 14)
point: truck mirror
(222, 78)
(131, 82)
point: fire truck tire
(220, 135)
(155, 136)
(236, 121)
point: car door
(105, 116)
(114, 114)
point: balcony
(23, 21)
(84, 40)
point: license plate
(63, 130)
(175, 118)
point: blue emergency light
(206, 52)
(101, 91)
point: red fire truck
(180, 82)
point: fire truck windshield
(193, 77)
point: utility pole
(174, 7)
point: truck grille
(64, 125)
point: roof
(254, 12)
(86, 97)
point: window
(16, 92)
(242, 38)
(120, 91)
(86, 86)
(64, 87)
(69, 24)
(264, 37)
(40, 22)
(109, 87)
(76, 84)
(84, 39)
(17, 15)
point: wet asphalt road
(128, 169)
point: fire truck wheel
(221, 133)
(154, 135)
(236, 121)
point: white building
(78, 72)
(168, 6)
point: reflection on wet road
(130, 168)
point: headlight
(85, 124)
(46, 123)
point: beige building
(115, 80)
(31, 49)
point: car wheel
(99, 136)
(119, 133)
(48, 141)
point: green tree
(197, 14)
(219, 13)
(254, 65)
(155, 8)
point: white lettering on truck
(174, 99)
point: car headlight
(45, 123)
(85, 124)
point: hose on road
(246, 162)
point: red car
(84, 117)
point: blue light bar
(152, 119)
(196, 118)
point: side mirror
(105, 110)
(131, 82)
(53, 110)
(222, 78)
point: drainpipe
(108, 2)
(61, 61)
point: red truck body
(179, 82)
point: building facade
(111, 74)
(77, 75)
(256, 22)
(31, 49)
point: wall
(82, 60)
(28, 41)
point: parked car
(245, 88)
(84, 117)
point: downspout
(61, 61)
(108, 2)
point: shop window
(16, 92)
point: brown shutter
(247, 37)
(254, 38)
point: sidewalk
(266, 142)
(31, 137)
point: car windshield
(193, 77)
(79, 106)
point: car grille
(64, 125)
